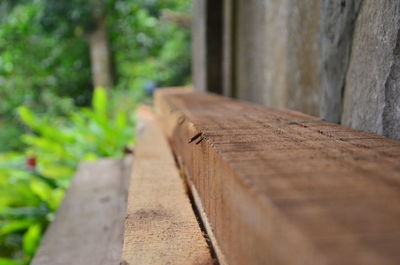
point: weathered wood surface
(88, 228)
(160, 227)
(280, 187)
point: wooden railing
(237, 184)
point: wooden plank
(89, 224)
(281, 187)
(160, 227)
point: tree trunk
(100, 56)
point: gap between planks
(201, 215)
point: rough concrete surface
(251, 50)
(337, 24)
(199, 45)
(278, 53)
(372, 92)
(303, 63)
(337, 59)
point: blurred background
(71, 74)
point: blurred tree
(85, 19)
(45, 63)
(36, 69)
(45, 52)
(150, 46)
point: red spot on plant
(31, 162)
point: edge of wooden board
(160, 227)
(288, 216)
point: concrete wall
(337, 26)
(372, 91)
(199, 45)
(277, 56)
(337, 59)
(303, 73)
(207, 45)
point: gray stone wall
(337, 26)
(372, 90)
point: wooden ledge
(281, 187)
(89, 224)
(160, 227)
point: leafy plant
(45, 69)
(27, 205)
(32, 184)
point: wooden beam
(89, 224)
(160, 227)
(281, 187)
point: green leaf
(21, 212)
(52, 196)
(100, 103)
(41, 189)
(14, 226)
(4, 261)
(120, 120)
(31, 239)
(28, 117)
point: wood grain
(160, 227)
(281, 187)
(88, 228)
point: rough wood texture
(281, 187)
(89, 224)
(160, 227)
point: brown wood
(160, 227)
(89, 224)
(281, 187)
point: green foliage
(44, 55)
(46, 91)
(31, 239)
(88, 134)
(32, 61)
(34, 71)
(70, 17)
(30, 196)
(147, 47)
(22, 211)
